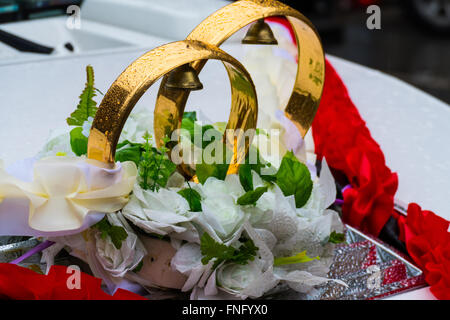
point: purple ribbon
(345, 188)
(340, 202)
(42, 246)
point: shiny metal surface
(184, 77)
(260, 33)
(124, 93)
(307, 91)
(370, 268)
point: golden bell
(184, 77)
(259, 33)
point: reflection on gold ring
(307, 91)
(125, 92)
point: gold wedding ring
(128, 88)
(219, 26)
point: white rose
(139, 121)
(284, 221)
(115, 261)
(162, 212)
(187, 260)
(236, 277)
(221, 215)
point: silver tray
(371, 269)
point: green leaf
(245, 177)
(87, 107)
(128, 151)
(199, 135)
(217, 170)
(155, 167)
(189, 125)
(246, 252)
(139, 266)
(293, 178)
(298, 258)
(254, 154)
(209, 134)
(204, 171)
(193, 198)
(211, 249)
(262, 132)
(117, 234)
(250, 197)
(190, 115)
(78, 142)
(336, 237)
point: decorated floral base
(370, 268)
(231, 228)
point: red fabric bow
(428, 243)
(342, 137)
(21, 283)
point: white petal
(327, 185)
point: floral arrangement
(142, 222)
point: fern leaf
(87, 107)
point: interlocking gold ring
(219, 26)
(128, 88)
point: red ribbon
(21, 283)
(342, 137)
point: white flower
(116, 261)
(323, 194)
(236, 277)
(58, 143)
(253, 279)
(163, 212)
(284, 220)
(302, 281)
(187, 260)
(139, 121)
(87, 127)
(221, 216)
